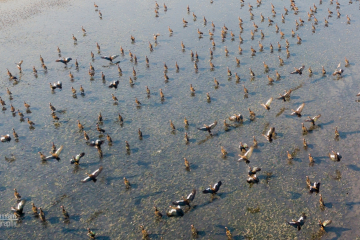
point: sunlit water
(155, 166)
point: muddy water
(155, 164)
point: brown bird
(228, 233)
(289, 155)
(157, 213)
(34, 208)
(304, 130)
(26, 105)
(187, 164)
(30, 122)
(140, 133)
(137, 102)
(186, 122)
(172, 126)
(16, 194)
(223, 151)
(311, 159)
(127, 183)
(80, 126)
(144, 232)
(42, 215)
(321, 201)
(298, 110)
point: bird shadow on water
(139, 198)
(351, 204)
(354, 167)
(338, 231)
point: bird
(17, 195)
(270, 134)
(304, 130)
(285, 96)
(315, 187)
(77, 158)
(194, 231)
(338, 72)
(311, 159)
(5, 138)
(223, 151)
(64, 60)
(157, 213)
(313, 119)
(42, 215)
(246, 156)
(110, 58)
(34, 209)
(80, 126)
(236, 117)
(186, 201)
(31, 123)
(252, 114)
(114, 84)
(137, 102)
(187, 164)
(298, 223)
(91, 234)
(298, 111)
(298, 70)
(18, 209)
(252, 179)
(267, 104)
(208, 127)
(335, 156)
(253, 170)
(214, 189)
(92, 176)
(289, 155)
(175, 212)
(324, 224)
(54, 155)
(64, 212)
(321, 201)
(228, 233)
(127, 183)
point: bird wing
(203, 129)
(326, 222)
(213, 125)
(191, 196)
(87, 179)
(79, 156)
(105, 57)
(249, 152)
(316, 117)
(179, 203)
(97, 172)
(256, 169)
(208, 190)
(57, 153)
(114, 56)
(300, 108)
(268, 102)
(217, 186)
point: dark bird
(114, 84)
(315, 187)
(313, 119)
(175, 212)
(247, 155)
(338, 72)
(77, 158)
(298, 70)
(64, 60)
(253, 170)
(5, 138)
(208, 127)
(64, 212)
(91, 234)
(18, 209)
(93, 176)
(214, 189)
(252, 179)
(298, 111)
(335, 156)
(299, 223)
(110, 58)
(186, 201)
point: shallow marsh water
(155, 164)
